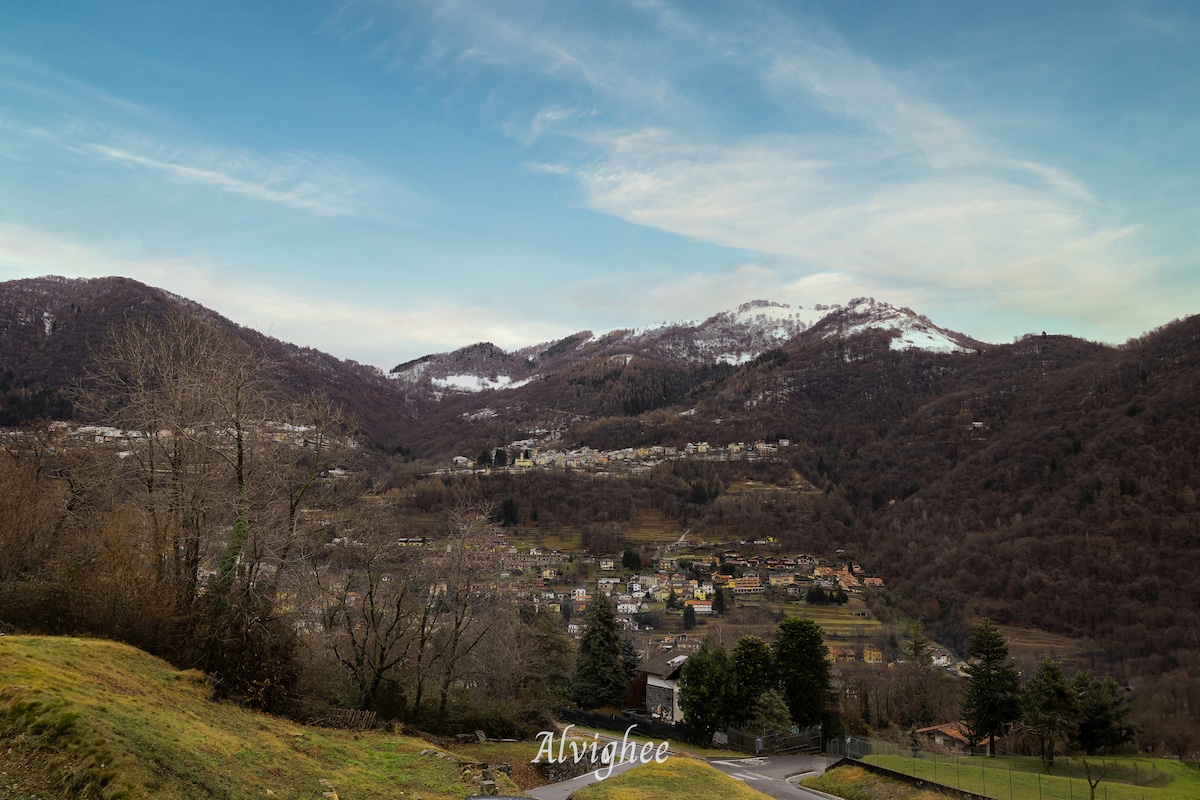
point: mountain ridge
(50, 325)
(1050, 482)
(733, 337)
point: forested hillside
(1046, 483)
(50, 328)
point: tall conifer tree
(802, 665)
(601, 671)
(1051, 707)
(993, 696)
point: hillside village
(528, 455)
(681, 577)
(680, 580)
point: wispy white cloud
(871, 181)
(697, 295)
(373, 334)
(674, 298)
(792, 197)
(21, 75)
(548, 169)
(536, 40)
(328, 186)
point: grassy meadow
(1126, 778)
(856, 783)
(84, 717)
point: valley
(1045, 484)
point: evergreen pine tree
(1050, 707)
(920, 651)
(753, 675)
(803, 668)
(1103, 713)
(689, 617)
(719, 602)
(601, 670)
(507, 513)
(629, 658)
(992, 699)
(630, 560)
(704, 691)
(769, 715)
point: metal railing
(620, 723)
(808, 739)
(1004, 777)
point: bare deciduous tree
(371, 609)
(215, 467)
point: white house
(700, 606)
(662, 686)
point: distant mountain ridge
(50, 325)
(732, 337)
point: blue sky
(383, 179)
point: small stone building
(656, 687)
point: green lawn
(1022, 778)
(838, 621)
(676, 779)
(856, 783)
(95, 718)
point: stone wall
(660, 696)
(555, 772)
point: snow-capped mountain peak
(735, 337)
(910, 330)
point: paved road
(560, 791)
(768, 774)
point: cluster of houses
(547, 577)
(277, 432)
(529, 456)
(675, 579)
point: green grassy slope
(94, 718)
(675, 779)
(855, 783)
(1125, 778)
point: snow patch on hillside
(735, 359)
(472, 383)
(914, 331)
(779, 320)
(931, 340)
(412, 374)
(478, 383)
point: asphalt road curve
(768, 774)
